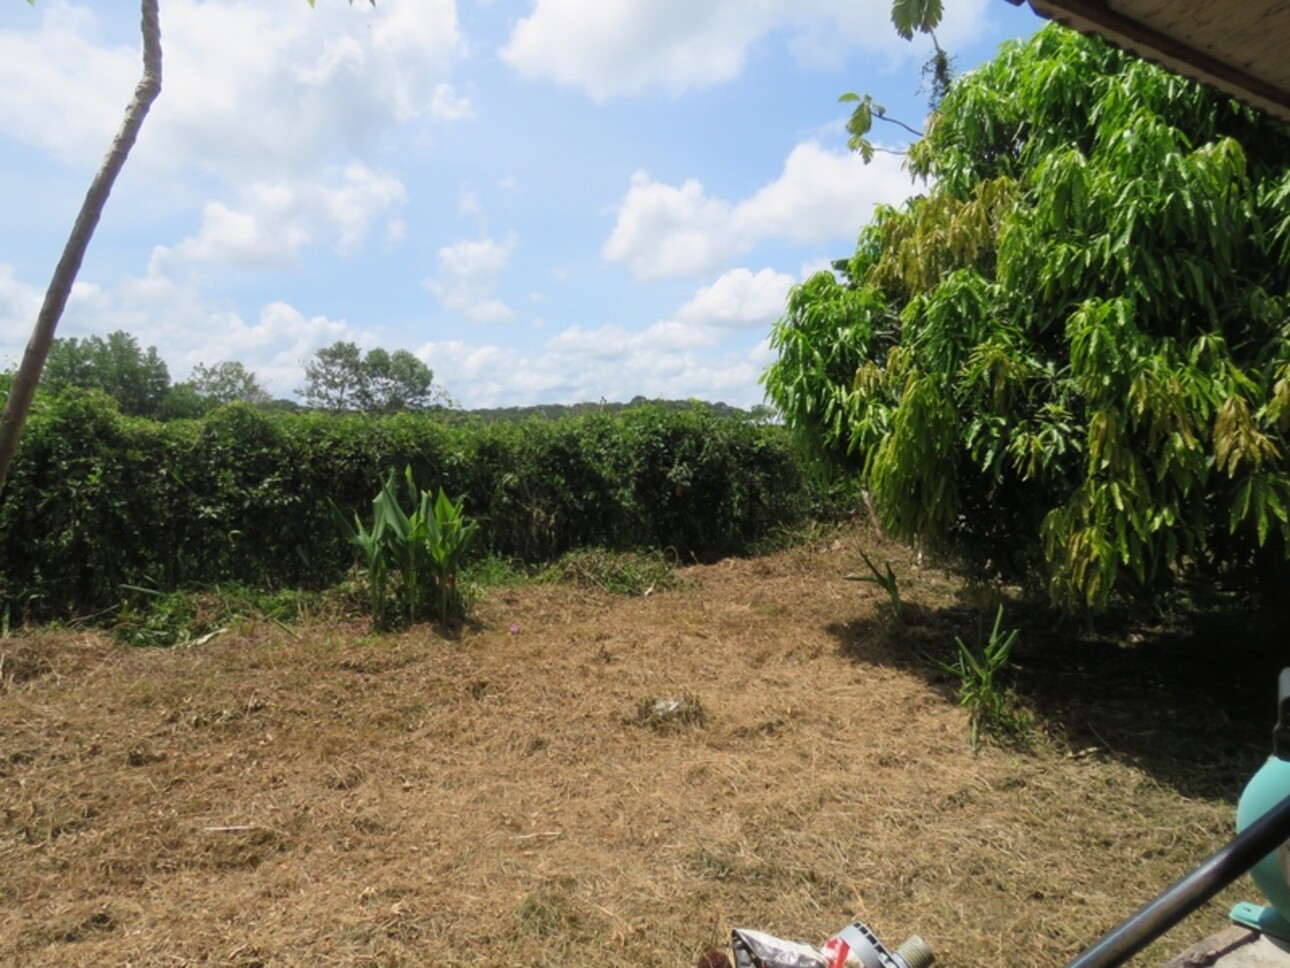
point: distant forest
(554, 411)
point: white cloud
(701, 352)
(665, 230)
(19, 304)
(580, 365)
(65, 72)
(468, 204)
(274, 346)
(268, 87)
(821, 195)
(739, 299)
(249, 90)
(470, 273)
(448, 105)
(826, 30)
(611, 48)
(275, 220)
(186, 329)
(614, 47)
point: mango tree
(1070, 355)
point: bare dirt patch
(583, 779)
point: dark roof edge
(1092, 17)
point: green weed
(993, 705)
(152, 618)
(629, 573)
(496, 571)
(884, 580)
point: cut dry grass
(329, 798)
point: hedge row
(97, 500)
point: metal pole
(1223, 867)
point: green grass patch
(629, 573)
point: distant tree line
(558, 411)
(338, 379)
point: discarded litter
(855, 946)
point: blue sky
(548, 201)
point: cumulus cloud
(19, 304)
(66, 72)
(470, 273)
(185, 327)
(592, 364)
(274, 220)
(614, 47)
(259, 98)
(702, 351)
(250, 89)
(669, 230)
(739, 299)
(611, 48)
(448, 105)
(820, 196)
(275, 345)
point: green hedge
(96, 500)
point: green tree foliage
(341, 378)
(1072, 353)
(137, 379)
(396, 381)
(910, 16)
(227, 382)
(208, 387)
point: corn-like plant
(372, 544)
(412, 559)
(447, 540)
(992, 704)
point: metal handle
(1224, 866)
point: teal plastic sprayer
(1261, 847)
(1269, 787)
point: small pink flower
(515, 628)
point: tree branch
(914, 131)
(18, 405)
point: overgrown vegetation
(619, 572)
(1070, 358)
(97, 500)
(147, 617)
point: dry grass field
(510, 796)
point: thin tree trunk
(60, 286)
